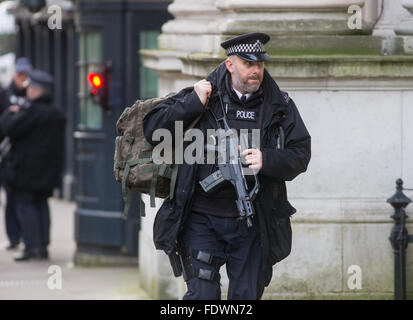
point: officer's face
(19, 78)
(34, 92)
(246, 75)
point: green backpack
(133, 164)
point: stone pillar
(404, 30)
(193, 28)
(355, 102)
(391, 12)
(301, 27)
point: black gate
(95, 34)
(110, 34)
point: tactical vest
(240, 116)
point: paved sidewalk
(29, 280)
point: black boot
(12, 246)
(35, 254)
(44, 254)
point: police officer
(36, 131)
(13, 95)
(202, 230)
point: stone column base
(404, 45)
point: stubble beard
(242, 85)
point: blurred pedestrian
(14, 94)
(36, 131)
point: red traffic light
(99, 82)
(95, 80)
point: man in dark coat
(13, 95)
(203, 230)
(34, 167)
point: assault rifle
(230, 168)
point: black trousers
(34, 216)
(236, 245)
(13, 227)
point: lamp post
(399, 239)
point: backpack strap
(152, 190)
(173, 181)
(165, 171)
(127, 197)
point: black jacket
(4, 100)
(11, 95)
(36, 132)
(271, 205)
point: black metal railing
(399, 239)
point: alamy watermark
(354, 22)
(55, 20)
(53, 282)
(355, 278)
(170, 149)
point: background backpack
(133, 164)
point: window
(148, 39)
(90, 54)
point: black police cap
(39, 78)
(248, 46)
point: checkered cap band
(256, 47)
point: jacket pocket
(280, 232)
(163, 225)
(280, 239)
(281, 207)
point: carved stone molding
(404, 41)
(406, 25)
(295, 26)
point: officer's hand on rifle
(253, 157)
(203, 89)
